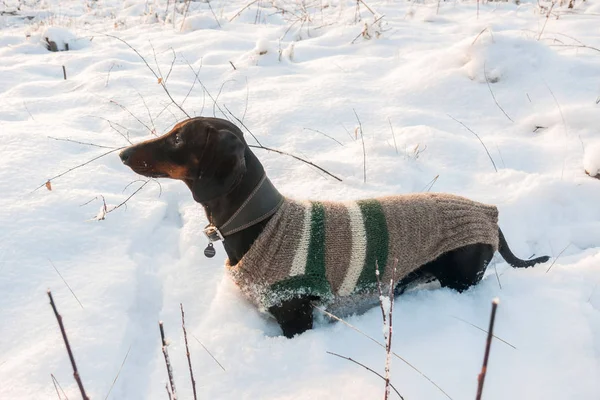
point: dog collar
(263, 202)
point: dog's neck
(220, 210)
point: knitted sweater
(329, 249)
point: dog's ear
(221, 166)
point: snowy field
(524, 77)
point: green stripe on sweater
(377, 242)
(313, 281)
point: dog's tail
(513, 260)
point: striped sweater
(329, 250)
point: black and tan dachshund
(212, 158)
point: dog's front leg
(294, 316)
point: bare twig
(153, 131)
(65, 282)
(78, 166)
(360, 129)
(218, 95)
(488, 343)
(393, 135)
(361, 33)
(83, 143)
(186, 8)
(431, 183)
(167, 360)
(484, 331)
(559, 109)
(68, 346)
(582, 46)
(55, 383)
(242, 10)
(324, 134)
(494, 97)
(158, 78)
(213, 13)
(133, 115)
(244, 125)
(367, 368)
(557, 257)
(187, 351)
(480, 141)
(108, 74)
(546, 21)
(382, 346)
(209, 353)
(297, 158)
(497, 276)
(64, 72)
(129, 197)
(118, 373)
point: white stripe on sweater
(359, 250)
(299, 263)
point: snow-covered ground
(290, 68)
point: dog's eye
(177, 140)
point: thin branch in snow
(65, 282)
(118, 373)
(158, 78)
(133, 115)
(209, 353)
(82, 143)
(297, 158)
(483, 330)
(324, 134)
(167, 362)
(557, 257)
(349, 325)
(488, 343)
(494, 97)
(367, 368)
(478, 138)
(393, 135)
(431, 183)
(187, 352)
(242, 10)
(129, 197)
(55, 383)
(213, 13)
(68, 346)
(76, 167)
(362, 138)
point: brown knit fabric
(329, 250)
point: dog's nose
(125, 155)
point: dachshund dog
(212, 158)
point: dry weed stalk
(187, 352)
(480, 141)
(488, 343)
(172, 392)
(68, 346)
(387, 322)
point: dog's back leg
(294, 316)
(464, 267)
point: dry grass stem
(118, 373)
(484, 331)
(557, 257)
(488, 343)
(209, 353)
(383, 347)
(478, 138)
(494, 97)
(68, 346)
(187, 352)
(367, 368)
(362, 138)
(66, 284)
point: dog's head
(207, 157)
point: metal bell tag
(210, 251)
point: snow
(591, 159)
(414, 70)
